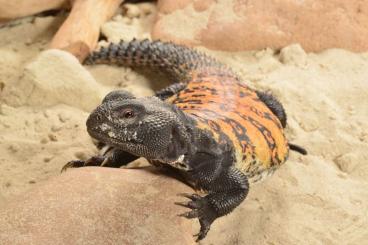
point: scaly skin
(209, 125)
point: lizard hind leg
(274, 105)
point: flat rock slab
(236, 25)
(98, 206)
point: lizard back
(225, 106)
(215, 97)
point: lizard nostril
(98, 117)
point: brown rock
(235, 25)
(98, 206)
(20, 8)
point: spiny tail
(176, 60)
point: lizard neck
(182, 139)
(190, 145)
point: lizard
(209, 125)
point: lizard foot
(72, 164)
(202, 210)
(93, 161)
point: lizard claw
(93, 161)
(202, 233)
(191, 204)
(73, 164)
(192, 197)
(189, 215)
(201, 209)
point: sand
(321, 198)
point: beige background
(321, 198)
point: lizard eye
(128, 113)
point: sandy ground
(321, 198)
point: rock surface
(98, 206)
(235, 25)
(56, 77)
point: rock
(293, 55)
(12, 9)
(55, 77)
(147, 8)
(346, 162)
(233, 25)
(353, 163)
(132, 11)
(116, 31)
(98, 206)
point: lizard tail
(176, 60)
(298, 149)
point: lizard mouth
(128, 144)
(106, 133)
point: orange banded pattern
(224, 105)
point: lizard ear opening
(118, 95)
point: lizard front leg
(226, 188)
(114, 158)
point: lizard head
(146, 127)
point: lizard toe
(205, 228)
(73, 164)
(192, 197)
(190, 215)
(191, 204)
